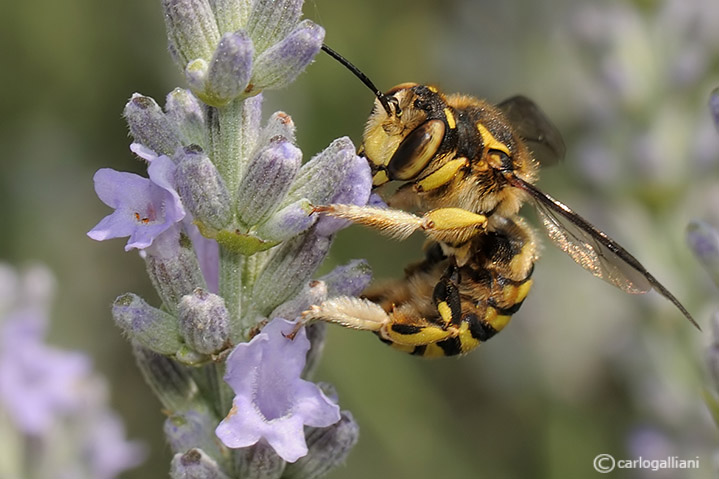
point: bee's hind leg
(350, 312)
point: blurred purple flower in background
(62, 426)
(38, 383)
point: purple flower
(106, 451)
(37, 382)
(208, 255)
(144, 208)
(272, 402)
(143, 152)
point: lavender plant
(223, 222)
(55, 421)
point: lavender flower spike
(144, 208)
(222, 191)
(272, 403)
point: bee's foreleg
(452, 225)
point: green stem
(233, 131)
(231, 268)
(232, 134)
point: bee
(465, 167)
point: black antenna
(383, 99)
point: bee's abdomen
(469, 304)
(479, 320)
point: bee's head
(401, 143)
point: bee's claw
(291, 335)
(321, 209)
(306, 318)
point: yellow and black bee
(467, 167)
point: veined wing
(535, 128)
(593, 249)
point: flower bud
(232, 14)
(171, 383)
(173, 268)
(281, 63)
(184, 111)
(279, 124)
(319, 178)
(191, 30)
(290, 221)
(272, 20)
(151, 327)
(313, 292)
(202, 189)
(149, 126)
(354, 189)
(193, 428)
(195, 464)
(230, 68)
(289, 268)
(328, 447)
(266, 182)
(349, 279)
(196, 72)
(204, 321)
(259, 461)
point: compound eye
(416, 150)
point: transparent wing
(535, 128)
(593, 249)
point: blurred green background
(584, 369)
